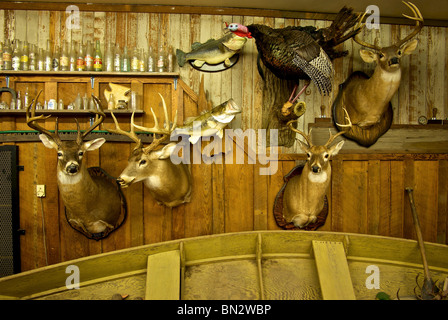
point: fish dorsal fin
(189, 120)
(195, 45)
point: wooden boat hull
(248, 265)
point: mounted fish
(216, 54)
(210, 122)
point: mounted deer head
(168, 183)
(367, 100)
(304, 194)
(93, 201)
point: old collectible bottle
(55, 60)
(72, 57)
(7, 55)
(150, 60)
(33, 57)
(109, 58)
(16, 55)
(160, 60)
(48, 57)
(80, 63)
(24, 57)
(117, 58)
(1, 56)
(88, 57)
(64, 59)
(40, 60)
(142, 61)
(134, 60)
(98, 58)
(125, 63)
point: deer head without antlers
(304, 194)
(367, 99)
(93, 203)
(168, 183)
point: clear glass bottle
(48, 57)
(64, 58)
(19, 101)
(24, 57)
(150, 60)
(55, 60)
(7, 55)
(125, 63)
(89, 57)
(142, 61)
(111, 102)
(72, 57)
(80, 63)
(40, 60)
(26, 99)
(109, 58)
(16, 55)
(170, 60)
(117, 58)
(98, 58)
(134, 60)
(33, 57)
(161, 59)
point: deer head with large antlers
(304, 194)
(93, 201)
(367, 99)
(168, 183)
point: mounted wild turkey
(295, 53)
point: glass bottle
(150, 60)
(88, 57)
(142, 61)
(117, 58)
(111, 102)
(26, 99)
(98, 58)
(134, 60)
(1, 56)
(32, 58)
(55, 60)
(109, 58)
(16, 55)
(160, 60)
(80, 63)
(170, 60)
(125, 67)
(7, 55)
(19, 101)
(64, 59)
(24, 57)
(48, 57)
(72, 57)
(40, 60)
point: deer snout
(315, 169)
(124, 181)
(72, 168)
(394, 60)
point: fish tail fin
(180, 57)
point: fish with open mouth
(215, 51)
(210, 122)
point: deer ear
(410, 46)
(166, 151)
(367, 55)
(334, 150)
(48, 142)
(94, 144)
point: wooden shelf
(68, 113)
(89, 74)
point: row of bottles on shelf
(18, 55)
(84, 103)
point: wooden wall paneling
(442, 203)
(397, 199)
(374, 192)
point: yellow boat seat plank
(163, 276)
(333, 271)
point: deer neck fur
(313, 185)
(78, 184)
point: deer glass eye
(399, 52)
(81, 153)
(59, 154)
(381, 56)
(142, 162)
(326, 156)
(308, 155)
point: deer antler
(165, 131)
(99, 118)
(418, 22)
(307, 138)
(360, 25)
(349, 125)
(31, 119)
(131, 134)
